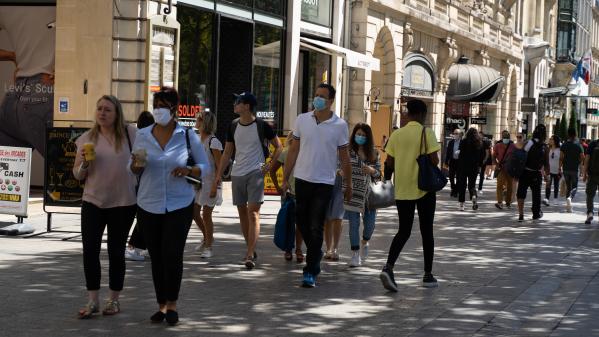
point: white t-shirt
(32, 34)
(212, 143)
(319, 145)
(249, 155)
(554, 161)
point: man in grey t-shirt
(247, 175)
(28, 103)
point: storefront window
(267, 71)
(317, 11)
(246, 3)
(315, 68)
(270, 6)
(195, 60)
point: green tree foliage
(573, 120)
(563, 128)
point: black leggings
(93, 222)
(312, 201)
(462, 177)
(555, 179)
(426, 214)
(137, 238)
(165, 236)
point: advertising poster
(269, 186)
(27, 52)
(15, 168)
(60, 187)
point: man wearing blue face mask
(321, 140)
(501, 153)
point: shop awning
(557, 91)
(474, 83)
(353, 58)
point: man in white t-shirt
(321, 141)
(247, 136)
(28, 104)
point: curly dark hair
(473, 137)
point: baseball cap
(247, 98)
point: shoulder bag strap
(128, 139)
(423, 140)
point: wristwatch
(190, 168)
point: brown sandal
(90, 309)
(299, 256)
(112, 307)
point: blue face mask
(319, 103)
(506, 140)
(360, 140)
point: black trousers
(481, 177)
(532, 180)
(312, 201)
(93, 222)
(426, 215)
(466, 179)
(165, 236)
(452, 176)
(555, 179)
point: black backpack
(260, 127)
(536, 156)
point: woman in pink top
(108, 199)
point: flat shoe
(172, 317)
(112, 307)
(158, 317)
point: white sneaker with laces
(355, 259)
(546, 202)
(569, 205)
(206, 253)
(461, 206)
(201, 247)
(134, 254)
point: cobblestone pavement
(497, 277)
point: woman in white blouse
(108, 200)
(174, 156)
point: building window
(566, 35)
(317, 11)
(195, 60)
(267, 71)
(246, 3)
(270, 6)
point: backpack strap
(128, 139)
(260, 126)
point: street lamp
(376, 92)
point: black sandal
(172, 317)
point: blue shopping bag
(284, 237)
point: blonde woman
(211, 194)
(108, 200)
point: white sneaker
(201, 247)
(134, 254)
(546, 202)
(479, 192)
(206, 253)
(355, 259)
(461, 206)
(364, 250)
(569, 205)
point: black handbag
(381, 194)
(430, 177)
(196, 182)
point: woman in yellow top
(402, 150)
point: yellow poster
(269, 186)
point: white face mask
(162, 116)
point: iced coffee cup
(90, 151)
(140, 157)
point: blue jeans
(369, 217)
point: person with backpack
(451, 160)
(590, 175)
(555, 170)
(210, 194)
(532, 173)
(248, 136)
(102, 155)
(470, 157)
(505, 184)
(572, 156)
(403, 149)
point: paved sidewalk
(497, 278)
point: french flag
(583, 68)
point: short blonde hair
(209, 122)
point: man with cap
(247, 138)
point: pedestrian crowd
(168, 176)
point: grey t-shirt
(249, 155)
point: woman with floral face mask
(365, 166)
(161, 155)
